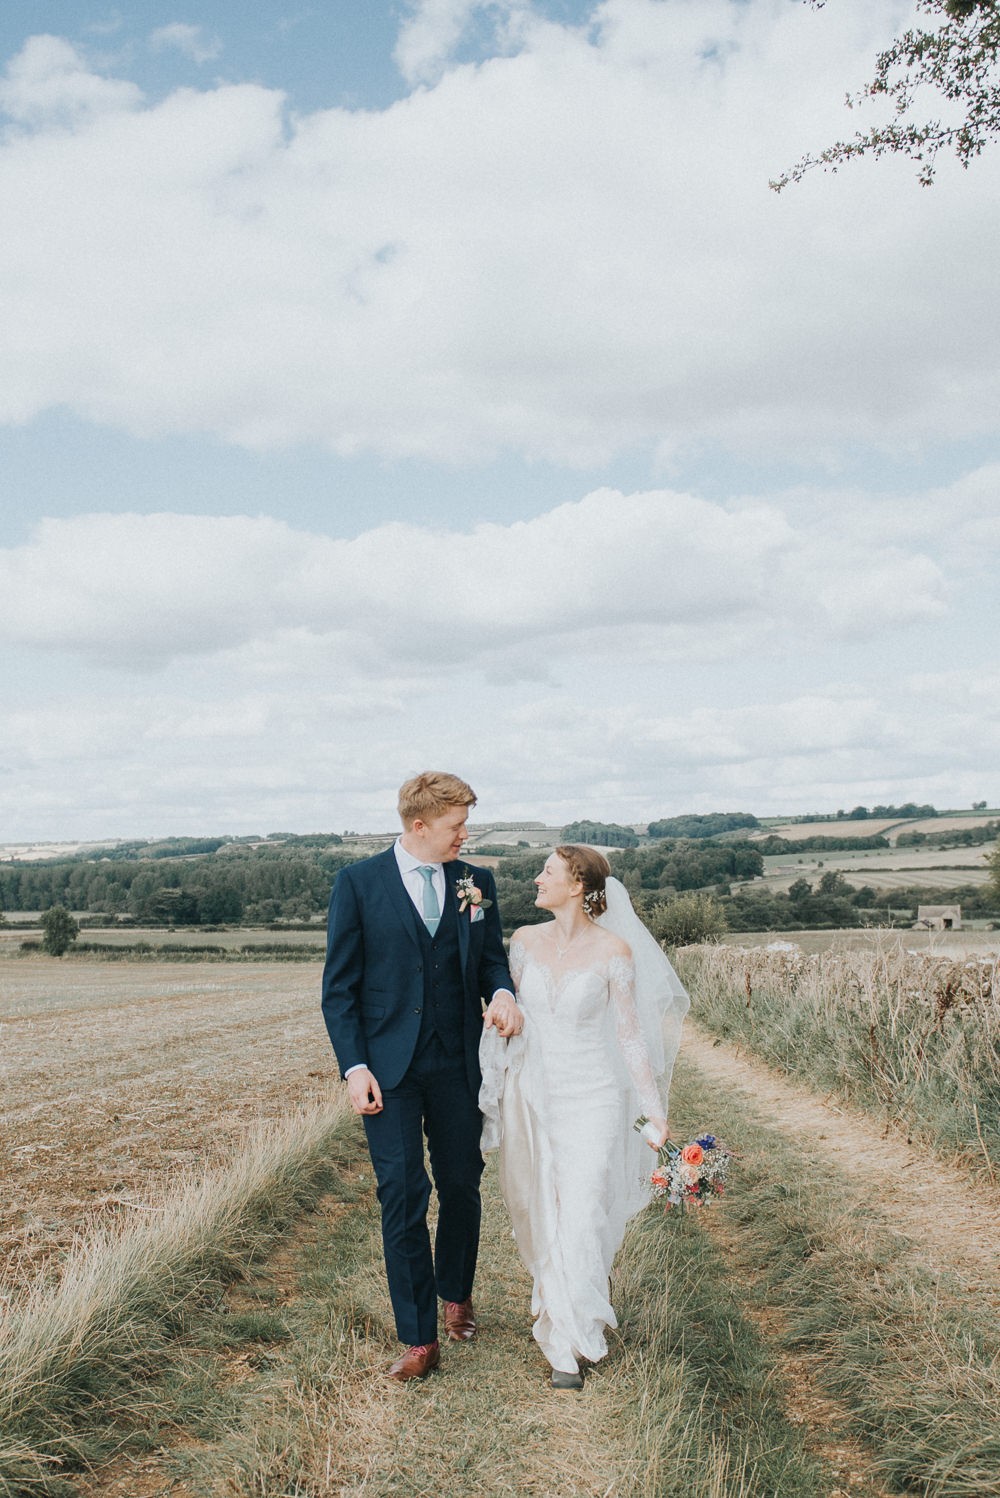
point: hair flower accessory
(470, 894)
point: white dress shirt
(414, 882)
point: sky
(439, 384)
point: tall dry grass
(96, 1336)
(911, 1355)
(912, 1038)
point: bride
(603, 1010)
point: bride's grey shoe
(566, 1380)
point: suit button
(416, 1011)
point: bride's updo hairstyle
(591, 869)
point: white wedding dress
(560, 1100)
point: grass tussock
(913, 1356)
(700, 1390)
(91, 1343)
(914, 1039)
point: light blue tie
(432, 909)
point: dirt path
(485, 1423)
(951, 1219)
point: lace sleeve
(516, 959)
(621, 984)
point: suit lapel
(398, 897)
(452, 873)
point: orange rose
(658, 1178)
(692, 1154)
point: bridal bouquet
(689, 1174)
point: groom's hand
(505, 1015)
(364, 1091)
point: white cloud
(568, 251)
(191, 40)
(432, 31)
(658, 575)
(49, 86)
(299, 759)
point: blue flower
(707, 1141)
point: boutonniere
(469, 894)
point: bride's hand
(663, 1131)
(505, 1015)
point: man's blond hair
(430, 795)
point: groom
(413, 947)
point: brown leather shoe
(459, 1320)
(416, 1362)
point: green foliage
(687, 919)
(773, 844)
(516, 891)
(994, 884)
(604, 834)
(695, 825)
(958, 837)
(273, 881)
(834, 903)
(676, 866)
(59, 931)
(908, 810)
(959, 60)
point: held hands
(505, 1015)
(364, 1092)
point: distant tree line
(603, 834)
(171, 847)
(250, 884)
(908, 810)
(772, 845)
(832, 903)
(650, 874)
(709, 824)
(686, 865)
(959, 837)
(290, 880)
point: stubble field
(118, 1077)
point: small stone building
(938, 918)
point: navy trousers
(433, 1098)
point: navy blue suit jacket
(373, 980)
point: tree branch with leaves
(959, 59)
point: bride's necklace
(562, 950)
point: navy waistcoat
(444, 990)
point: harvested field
(232, 938)
(800, 831)
(883, 868)
(116, 1077)
(954, 944)
(889, 827)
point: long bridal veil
(661, 999)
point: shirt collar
(407, 862)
